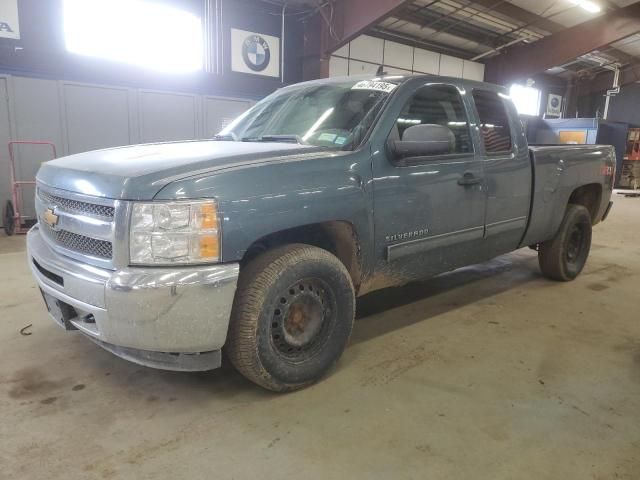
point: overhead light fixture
(588, 5)
(526, 99)
(146, 33)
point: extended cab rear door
(429, 210)
(507, 169)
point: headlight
(166, 233)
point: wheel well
(338, 237)
(588, 196)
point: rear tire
(292, 317)
(8, 220)
(563, 257)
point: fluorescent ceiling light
(588, 5)
(143, 33)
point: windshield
(333, 114)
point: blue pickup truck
(260, 239)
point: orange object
(573, 137)
(209, 246)
(209, 216)
(633, 145)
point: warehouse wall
(623, 107)
(365, 54)
(82, 103)
(547, 85)
(78, 116)
(41, 51)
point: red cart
(14, 221)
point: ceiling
(480, 29)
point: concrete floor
(491, 372)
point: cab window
(436, 105)
(494, 122)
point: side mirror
(423, 140)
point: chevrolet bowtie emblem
(49, 217)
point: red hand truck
(13, 220)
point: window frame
(409, 161)
(512, 136)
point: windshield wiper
(275, 138)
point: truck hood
(139, 172)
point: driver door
(429, 210)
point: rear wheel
(292, 317)
(563, 257)
(8, 220)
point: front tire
(563, 257)
(292, 317)
(8, 219)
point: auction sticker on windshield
(373, 85)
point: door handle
(469, 179)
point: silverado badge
(407, 235)
(50, 218)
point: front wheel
(9, 220)
(563, 257)
(292, 317)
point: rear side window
(440, 105)
(494, 121)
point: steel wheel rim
(302, 318)
(575, 244)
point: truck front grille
(80, 243)
(90, 209)
(79, 226)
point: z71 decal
(606, 170)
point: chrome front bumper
(171, 318)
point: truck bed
(557, 171)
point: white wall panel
(366, 53)
(78, 117)
(167, 116)
(219, 112)
(426, 62)
(398, 55)
(396, 71)
(343, 51)
(368, 49)
(473, 71)
(37, 111)
(450, 66)
(361, 68)
(36, 117)
(338, 67)
(95, 116)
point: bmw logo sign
(255, 53)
